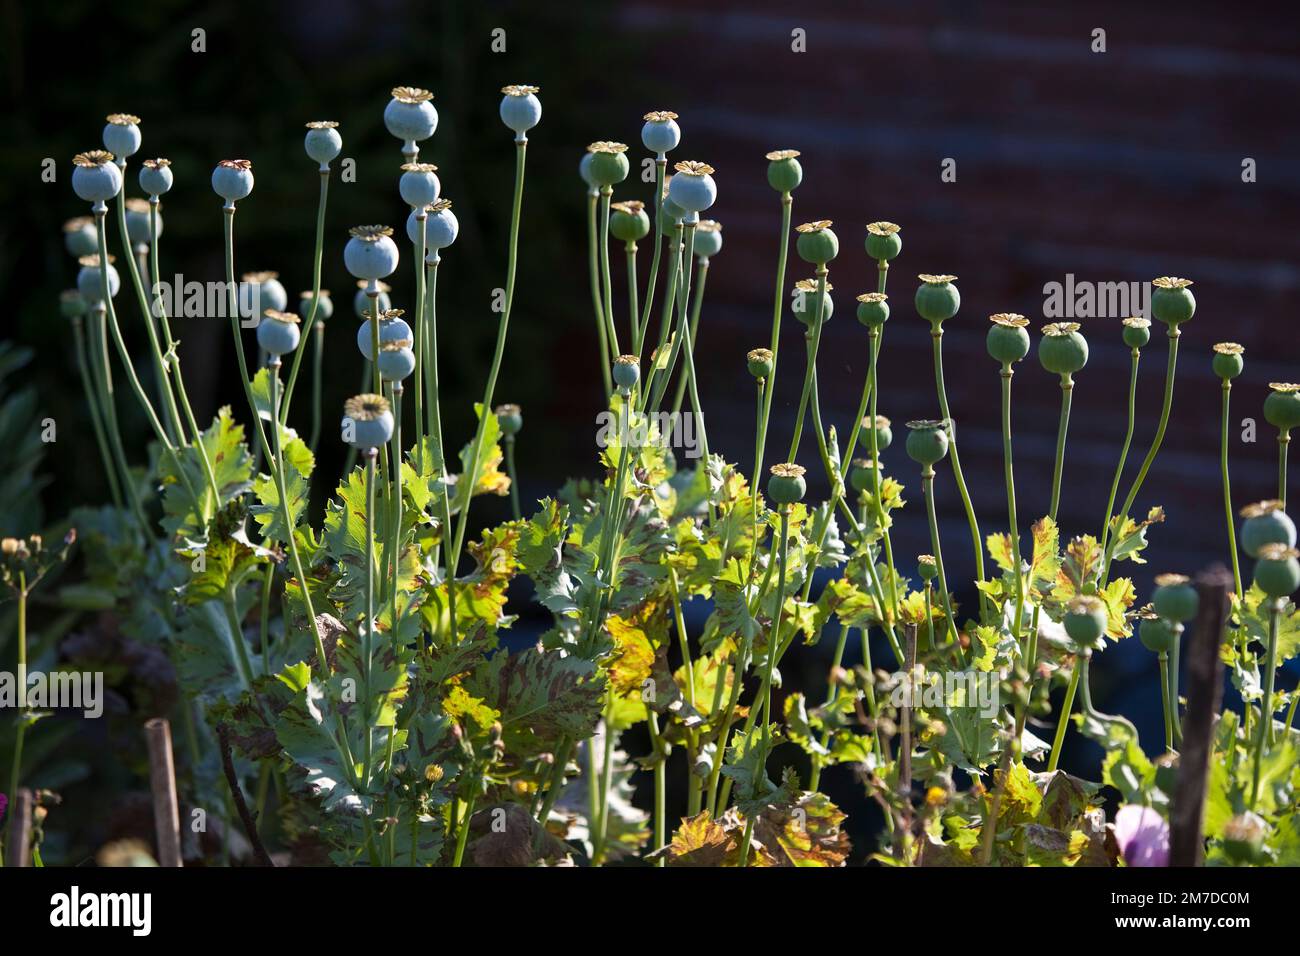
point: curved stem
(1264, 733)
(102, 371)
(1058, 467)
(1066, 706)
(598, 306)
(822, 273)
(927, 490)
(434, 397)
(936, 335)
(1128, 441)
(315, 292)
(701, 275)
(92, 405)
(1283, 442)
(661, 166)
(605, 193)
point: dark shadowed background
(1115, 167)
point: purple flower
(4, 805)
(1142, 835)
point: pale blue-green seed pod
(122, 135)
(80, 237)
(371, 252)
(585, 171)
(396, 360)
(277, 332)
(708, 238)
(627, 371)
(323, 142)
(324, 307)
(693, 188)
(260, 291)
(90, 283)
(390, 330)
(409, 115)
(361, 303)
(95, 177)
(367, 422)
(232, 180)
(137, 221)
(156, 176)
(661, 134)
(521, 110)
(419, 185)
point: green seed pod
(608, 162)
(806, 302)
(1282, 407)
(759, 362)
(628, 221)
(627, 371)
(873, 309)
(510, 418)
(927, 567)
(863, 476)
(1228, 362)
(1243, 839)
(1062, 349)
(883, 241)
(72, 303)
(1007, 341)
(784, 174)
(1277, 572)
(1085, 621)
(816, 243)
(1158, 635)
(927, 441)
(937, 299)
(1266, 523)
(884, 435)
(1137, 331)
(786, 484)
(708, 239)
(1174, 598)
(1171, 301)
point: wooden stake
(1204, 700)
(18, 850)
(162, 781)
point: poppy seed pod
(1085, 620)
(608, 162)
(660, 134)
(137, 221)
(1277, 572)
(708, 238)
(817, 243)
(627, 371)
(418, 185)
(693, 188)
(881, 426)
(122, 135)
(410, 115)
(584, 170)
(1266, 523)
(864, 476)
(371, 252)
(95, 177)
(80, 237)
(784, 174)
(396, 360)
(785, 484)
(440, 226)
(324, 305)
(873, 309)
(1137, 331)
(392, 328)
(1228, 362)
(805, 305)
(628, 221)
(1282, 407)
(927, 441)
(232, 179)
(156, 176)
(90, 283)
(1062, 349)
(367, 421)
(361, 303)
(883, 241)
(260, 291)
(72, 303)
(1174, 598)
(759, 363)
(937, 299)
(521, 110)
(668, 209)
(1159, 635)
(927, 567)
(1171, 300)
(278, 332)
(1008, 341)
(510, 419)
(323, 142)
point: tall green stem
(315, 292)
(1066, 706)
(1264, 733)
(936, 335)
(1128, 441)
(811, 368)
(1164, 701)
(597, 304)
(92, 405)
(1058, 467)
(1012, 520)
(782, 255)
(927, 490)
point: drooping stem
(471, 476)
(1058, 467)
(936, 335)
